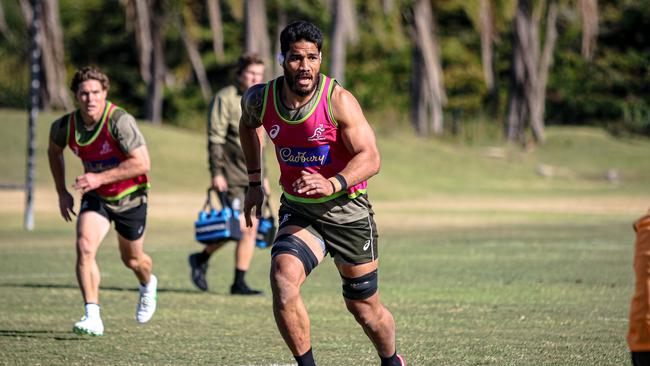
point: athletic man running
(114, 187)
(326, 151)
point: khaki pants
(638, 337)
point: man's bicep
(355, 129)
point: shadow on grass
(103, 288)
(41, 334)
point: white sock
(92, 310)
(147, 287)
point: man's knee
(132, 263)
(86, 247)
(360, 288)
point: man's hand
(219, 183)
(87, 182)
(254, 198)
(66, 205)
(313, 184)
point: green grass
(533, 294)
(483, 262)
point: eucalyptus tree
(147, 18)
(187, 26)
(257, 37)
(589, 17)
(428, 92)
(4, 28)
(344, 31)
(54, 90)
(529, 69)
(216, 25)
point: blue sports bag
(214, 226)
(266, 229)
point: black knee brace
(360, 288)
(291, 244)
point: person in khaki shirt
(228, 171)
(113, 187)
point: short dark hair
(246, 60)
(89, 73)
(298, 31)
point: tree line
(519, 64)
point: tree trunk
(195, 59)
(53, 92)
(154, 103)
(257, 38)
(344, 30)
(214, 13)
(544, 63)
(427, 78)
(282, 23)
(139, 20)
(530, 70)
(589, 14)
(53, 57)
(4, 28)
(488, 35)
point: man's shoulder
(254, 95)
(63, 120)
(252, 104)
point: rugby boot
(92, 326)
(147, 302)
(243, 289)
(198, 270)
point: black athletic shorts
(130, 223)
(351, 243)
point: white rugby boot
(91, 323)
(147, 302)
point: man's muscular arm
(251, 143)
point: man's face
(301, 67)
(251, 75)
(91, 97)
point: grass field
(483, 262)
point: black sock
(203, 257)
(306, 360)
(239, 277)
(391, 361)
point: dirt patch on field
(437, 211)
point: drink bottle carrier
(214, 226)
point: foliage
(610, 91)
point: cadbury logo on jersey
(305, 156)
(101, 165)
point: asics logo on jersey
(273, 132)
(316, 136)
